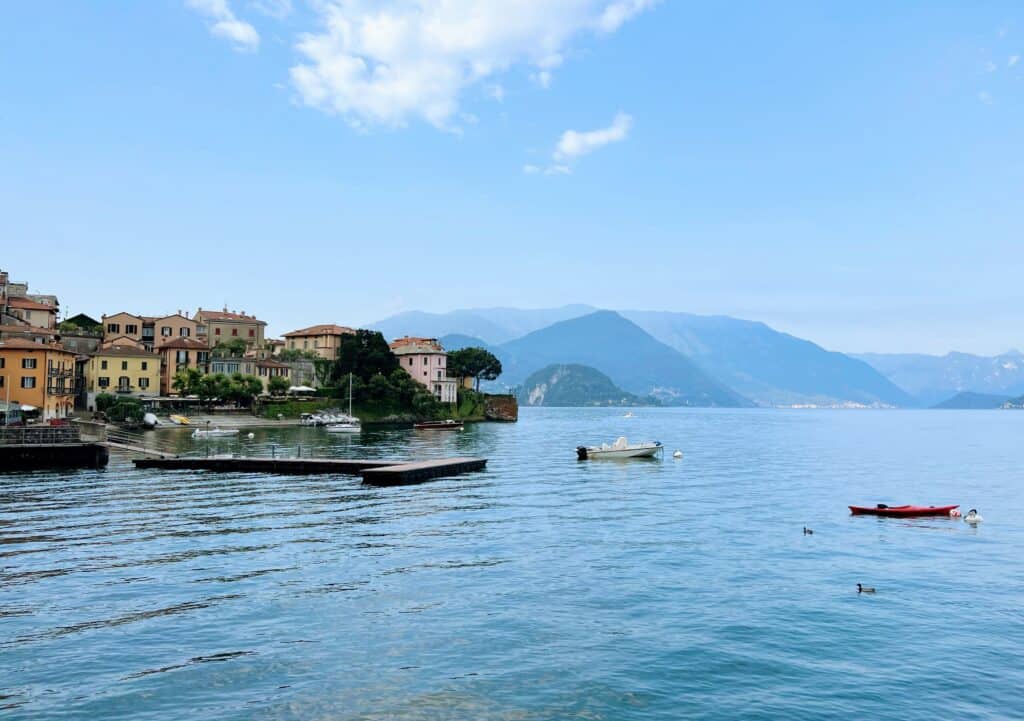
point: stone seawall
(501, 408)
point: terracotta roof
(27, 329)
(408, 344)
(323, 329)
(28, 304)
(225, 315)
(185, 344)
(126, 351)
(271, 364)
(22, 344)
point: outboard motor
(581, 453)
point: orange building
(37, 375)
(178, 355)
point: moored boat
(214, 432)
(901, 511)
(622, 448)
(447, 425)
(179, 420)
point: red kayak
(901, 511)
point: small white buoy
(955, 513)
(677, 454)
(251, 436)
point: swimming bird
(864, 589)
(808, 531)
(677, 454)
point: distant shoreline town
(125, 363)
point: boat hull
(438, 426)
(595, 454)
(902, 511)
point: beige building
(122, 370)
(225, 326)
(427, 362)
(151, 331)
(324, 340)
(32, 312)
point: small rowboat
(901, 511)
(448, 425)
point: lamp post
(207, 439)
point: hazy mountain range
(686, 359)
(933, 379)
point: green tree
(125, 410)
(186, 382)
(365, 354)
(234, 348)
(294, 354)
(477, 363)
(104, 401)
(278, 385)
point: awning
(301, 389)
(28, 408)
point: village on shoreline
(219, 363)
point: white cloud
(619, 12)
(1014, 59)
(542, 78)
(574, 144)
(985, 97)
(278, 9)
(224, 23)
(990, 67)
(497, 92)
(390, 61)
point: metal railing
(39, 435)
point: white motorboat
(629, 414)
(214, 432)
(620, 449)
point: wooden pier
(376, 473)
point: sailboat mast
(350, 395)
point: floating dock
(376, 473)
(33, 456)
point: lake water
(543, 588)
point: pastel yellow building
(124, 370)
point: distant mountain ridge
(492, 325)
(624, 352)
(933, 379)
(574, 385)
(966, 400)
(771, 367)
(750, 358)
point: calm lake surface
(543, 588)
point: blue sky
(852, 174)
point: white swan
(677, 454)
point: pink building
(426, 361)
